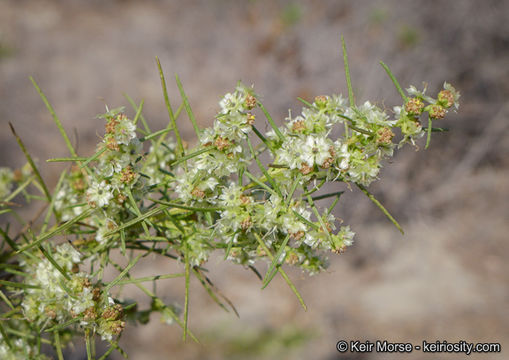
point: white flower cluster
(308, 146)
(52, 298)
(228, 150)
(19, 348)
(185, 203)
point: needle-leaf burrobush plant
(146, 193)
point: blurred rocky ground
(446, 279)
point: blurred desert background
(447, 278)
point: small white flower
(316, 150)
(346, 235)
(125, 131)
(99, 194)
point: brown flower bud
(200, 194)
(114, 312)
(127, 175)
(297, 235)
(222, 143)
(250, 119)
(339, 250)
(436, 111)
(246, 223)
(292, 258)
(384, 136)
(298, 126)
(305, 169)
(90, 314)
(321, 101)
(245, 199)
(250, 101)
(414, 106)
(446, 98)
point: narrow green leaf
(187, 107)
(347, 73)
(32, 164)
(61, 326)
(428, 136)
(18, 285)
(315, 188)
(192, 155)
(170, 110)
(271, 272)
(122, 242)
(262, 138)
(19, 189)
(135, 107)
(54, 263)
(55, 118)
(258, 182)
(87, 344)
(262, 168)
(377, 203)
(138, 112)
(282, 272)
(159, 303)
(325, 196)
(306, 221)
(137, 219)
(307, 103)
(149, 278)
(52, 203)
(154, 134)
(67, 159)
(333, 205)
(7, 238)
(209, 290)
(6, 300)
(58, 346)
(94, 157)
(296, 182)
(52, 233)
(122, 274)
(185, 207)
(186, 296)
(394, 81)
(271, 122)
(5, 337)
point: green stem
(187, 107)
(170, 111)
(58, 346)
(428, 136)
(282, 272)
(32, 164)
(347, 73)
(55, 118)
(271, 122)
(394, 81)
(186, 296)
(377, 203)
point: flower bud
(250, 102)
(414, 106)
(384, 136)
(436, 111)
(446, 98)
(321, 101)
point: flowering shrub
(144, 193)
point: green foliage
(150, 194)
